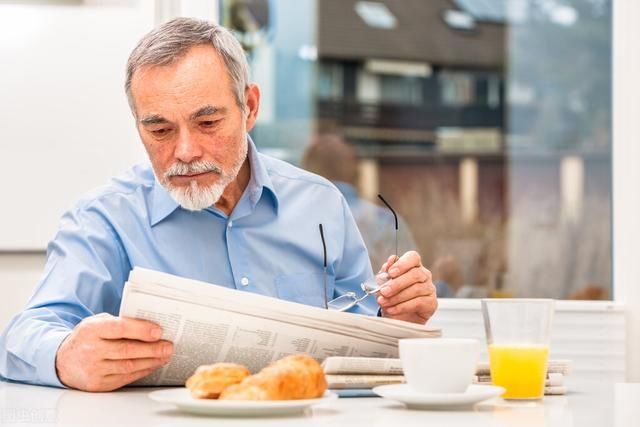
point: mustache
(197, 166)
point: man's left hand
(410, 294)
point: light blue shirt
(270, 245)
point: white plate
(181, 397)
(415, 400)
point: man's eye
(160, 132)
(208, 123)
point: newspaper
(559, 366)
(345, 373)
(362, 366)
(393, 366)
(209, 324)
(343, 382)
(553, 379)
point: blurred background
(486, 124)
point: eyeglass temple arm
(324, 252)
(395, 217)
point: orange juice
(520, 369)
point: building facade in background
(486, 124)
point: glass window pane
(486, 124)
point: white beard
(195, 197)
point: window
(499, 135)
(457, 89)
(389, 88)
(330, 81)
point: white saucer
(181, 397)
(415, 400)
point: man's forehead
(197, 80)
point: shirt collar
(260, 178)
(163, 205)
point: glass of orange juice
(518, 333)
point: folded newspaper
(209, 323)
(348, 373)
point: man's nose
(188, 147)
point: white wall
(66, 125)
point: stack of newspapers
(209, 324)
(361, 373)
(554, 384)
(357, 374)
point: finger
(127, 366)
(405, 263)
(409, 278)
(133, 349)
(383, 269)
(409, 317)
(126, 327)
(423, 289)
(422, 306)
(115, 381)
(387, 264)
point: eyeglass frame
(356, 299)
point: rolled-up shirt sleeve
(84, 274)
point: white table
(588, 404)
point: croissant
(293, 377)
(210, 380)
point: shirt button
(244, 281)
(230, 224)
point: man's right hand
(104, 352)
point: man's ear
(252, 104)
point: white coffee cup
(439, 365)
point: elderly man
(208, 207)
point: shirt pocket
(304, 288)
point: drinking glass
(518, 333)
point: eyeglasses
(370, 286)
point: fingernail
(394, 271)
(380, 300)
(386, 291)
(156, 333)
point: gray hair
(170, 41)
